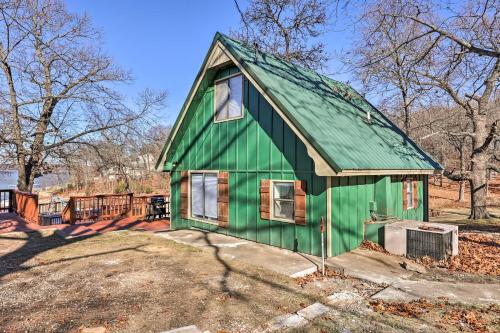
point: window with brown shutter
(265, 199)
(410, 193)
(184, 194)
(223, 199)
(405, 199)
(282, 200)
(415, 193)
(300, 202)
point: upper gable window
(229, 98)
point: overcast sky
(163, 43)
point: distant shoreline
(8, 180)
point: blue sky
(163, 43)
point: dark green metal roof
(331, 115)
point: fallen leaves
(369, 245)
(413, 309)
(329, 273)
(479, 320)
(477, 254)
(466, 318)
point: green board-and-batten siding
(261, 146)
(350, 202)
(258, 146)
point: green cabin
(264, 150)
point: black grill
(157, 207)
(433, 244)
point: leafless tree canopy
(431, 55)
(286, 28)
(123, 157)
(57, 86)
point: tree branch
(465, 44)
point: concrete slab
(392, 294)
(386, 269)
(99, 329)
(371, 266)
(313, 311)
(185, 329)
(344, 297)
(231, 248)
(286, 321)
(472, 293)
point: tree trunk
(25, 177)
(478, 199)
(461, 191)
(478, 180)
(461, 188)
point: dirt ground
(417, 316)
(139, 282)
(133, 282)
(446, 196)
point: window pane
(409, 193)
(283, 190)
(235, 96)
(283, 209)
(211, 196)
(221, 100)
(197, 194)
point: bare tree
(457, 61)
(392, 78)
(121, 156)
(286, 28)
(57, 85)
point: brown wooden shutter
(184, 194)
(223, 199)
(265, 199)
(300, 202)
(415, 193)
(405, 195)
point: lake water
(8, 180)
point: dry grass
(134, 282)
(454, 317)
(447, 196)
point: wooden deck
(10, 222)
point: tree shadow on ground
(36, 243)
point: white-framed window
(229, 98)
(282, 200)
(409, 193)
(204, 195)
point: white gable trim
(216, 58)
(219, 56)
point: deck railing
(51, 207)
(91, 209)
(82, 209)
(26, 206)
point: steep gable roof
(329, 115)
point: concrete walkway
(386, 269)
(363, 264)
(230, 248)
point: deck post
(130, 203)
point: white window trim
(242, 97)
(271, 197)
(409, 203)
(191, 216)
